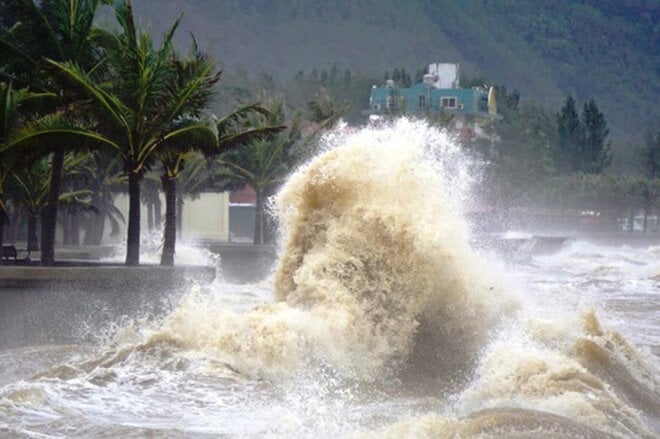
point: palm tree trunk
(150, 216)
(94, 230)
(3, 221)
(158, 215)
(65, 220)
(169, 244)
(179, 215)
(133, 238)
(631, 219)
(75, 228)
(14, 223)
(32, 238)
(49, 212)
(269, 230)
(94, 225)
(259, 218)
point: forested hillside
(602, 49)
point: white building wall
(446, 75)
(204, 218)
(207, 217)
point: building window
(422, 101)
(448, 102)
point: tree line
(89, 111)
(562, 160)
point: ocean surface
(382, 318)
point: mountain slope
(605, 49)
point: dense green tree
(324, 111)
(400, 77)
(571, 138)
(522, 159)
(263, 164)
(349, 87)
(175, 152)
(649, 156)
(10, 102)
(596, 150)
(30, 188)
(507, 101)
(582, 141)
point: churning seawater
(380, 320)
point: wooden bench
(9, 253)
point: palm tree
(104, 178)
(32, 190)
(14, 111)
(183, 154)
(174, 157)
(263, 163)
(140, 107)
(61, 30)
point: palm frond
(55, 130)
(234, 140)
(78, 79)
(239, 117)
(184, 137)
(234, 170)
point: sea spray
(376, 281)
(376, 276)
(375, 245)
(548, 378)
(188, 251)
(570, 368)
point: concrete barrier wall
(83, 304)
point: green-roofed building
(468, 110)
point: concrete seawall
(109, 278)
(242, 263)
(83, 304)
(82, 300)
